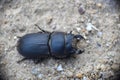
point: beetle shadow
(42, 60)
(67, 60)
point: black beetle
(44, 44)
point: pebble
(22, 28)
(81, 10)
(103, 61)
(40, 76)
(69, 74)
(24, 65)
(35, 71)
(49, 19)
(79, 75)
(98, 67)
(99, 5)
(90, 27)
(15, 37)
(108, 44)
(105, 74)
(115, 66)
(59, 68)
(98, 44)
(85, 78)
(103, 67)
(99, 34)
(78, 29)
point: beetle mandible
(44, 44)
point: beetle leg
(18, 37)
(70, 32)
(38, 60)
(41, 29)
(19, 61)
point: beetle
(44, 44)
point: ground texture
(97, 20)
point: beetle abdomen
(34, 45)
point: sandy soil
(97, 20)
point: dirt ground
(97, 20)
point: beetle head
(78, 43)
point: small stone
(105, 74)
(35, 71)
(93, 11)
(103, 67)
(95, 28)
(81, 10)
(78, 29)
(49, 19)
(24, 65)
(98, 44)
(99, 34)
(99, 5)
(79, 75)
(85, 78)
(5, 22)
(115, 66)
(90, 27)
(59, 68)
(98, 67)
(15, 37)
(69, 74)
(40, 76)
(103, 61)
(22, 29)
(82, 20)
(88, 41)
(108, 44)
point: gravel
(59, 68)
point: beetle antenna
(40, 28)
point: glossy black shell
(37, 45)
